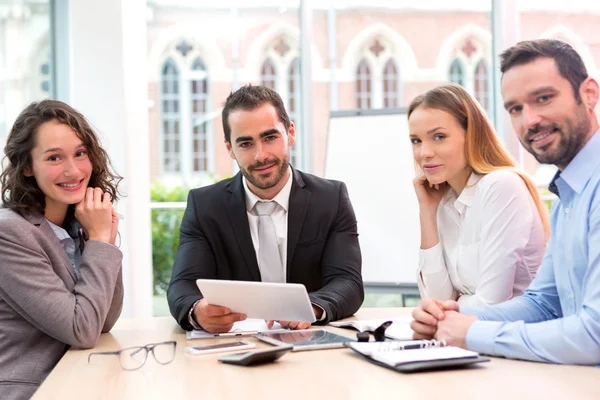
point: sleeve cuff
(431, 260)
(323, 314)
(481, 336)
(191, 319)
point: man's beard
(281, 168)
(571, 139)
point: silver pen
(233, 334)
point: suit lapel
(41, 222)
(299, 200)
(236, 209)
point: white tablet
(270, 301)
(306, 339)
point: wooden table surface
(330, 374)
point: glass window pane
(390, 85)
(268, 75)
(363, 85)
(456, 73)
(26, 59)
(481, 84)
(170, 115)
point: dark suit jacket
(323, 252)
(43, 309)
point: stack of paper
(247, 327)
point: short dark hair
(568, 61)
(248, 98)
(21, 193)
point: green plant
(165, 233)
(165, 230)
(547, 197)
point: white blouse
(491, 242)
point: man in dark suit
(268, 223)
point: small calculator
(256, 357)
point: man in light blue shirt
(551, 101)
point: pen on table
(233, 334)
(411, 347)
(414, 346)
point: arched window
(481, 84)
(363, 85)
(280, 71)
(390, 85)
(293, 103)
(456, 74)
(200, 122)
(268, 74)
(170, 117)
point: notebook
(399, 330)
(415, 355)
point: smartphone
(218, 348)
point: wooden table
(328, 374)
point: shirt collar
(282, 198)
(60, 232)
(579, 171)
(466, 196)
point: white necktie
(269, 258)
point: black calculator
(255, 357)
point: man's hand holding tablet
(215, 319)
(296, 324)
(286, 303)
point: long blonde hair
(484, 152)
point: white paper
(249, 326)
(400, 329)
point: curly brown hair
(21, 193)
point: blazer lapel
(299, 200)
(236, 209)
(40, 221)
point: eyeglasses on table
(378, 333)
(132, 358)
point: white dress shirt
(491, 242)
(279, 217)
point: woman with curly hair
(60, 272)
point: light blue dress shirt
(557, 319)
(71, 247)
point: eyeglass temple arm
(379, 333)
(102, 353)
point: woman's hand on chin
(95, 214)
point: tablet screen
(306, 339)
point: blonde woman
(483, 225)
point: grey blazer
(43, 310)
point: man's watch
(191, 319)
